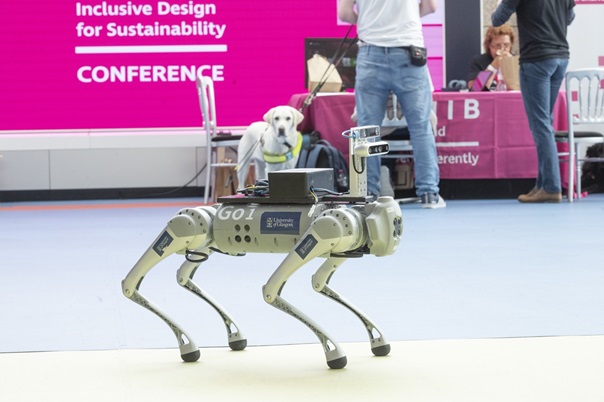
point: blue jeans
(379, 71)
(540, 82)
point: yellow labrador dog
(273, 144)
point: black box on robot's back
(296, 183)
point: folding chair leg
(571, 172)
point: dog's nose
(281, 131)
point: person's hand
(501, 53)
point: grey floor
(477, 269)
(483, 301)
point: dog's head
(283, 120)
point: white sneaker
(433, 201)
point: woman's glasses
(500, 46)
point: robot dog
(298, 213)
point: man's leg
(536, 83)
(412, 87)
(371, 93)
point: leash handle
(338, 58)
(249, 153)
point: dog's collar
(280, 158)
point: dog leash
(338, 58)
(250, 152)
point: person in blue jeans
(544, 54)
(387, 29)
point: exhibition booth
(103, 102)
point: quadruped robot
(297, 213)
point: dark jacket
(479, 63)
(541, 26)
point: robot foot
(382, 350)
(238, 345)
(338, 363)
(191, 357)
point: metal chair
(398, 140)
(400, 145)
(585, 105)
(393, 120)
(216, 142)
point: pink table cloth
(480, 135)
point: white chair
(585, 105)
(400, 145)
(215, 142)
(393, 120)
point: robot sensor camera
(372, 149)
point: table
(329, 114)
(480, 135)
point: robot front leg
(189, 352)
(331, 232)
(334, 354)
(236, 339)
(320, 280)
(189, 229)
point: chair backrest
(394, 113)
(207, 104)
(585, 96)
(395, 117)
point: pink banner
(69, 64)
(485, 135)
(481, 135)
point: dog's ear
(298, 117)
(268, 116)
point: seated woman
(498, 43)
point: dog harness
(291, 152)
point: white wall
(585, 40)
(585, 37)
(98, 160)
